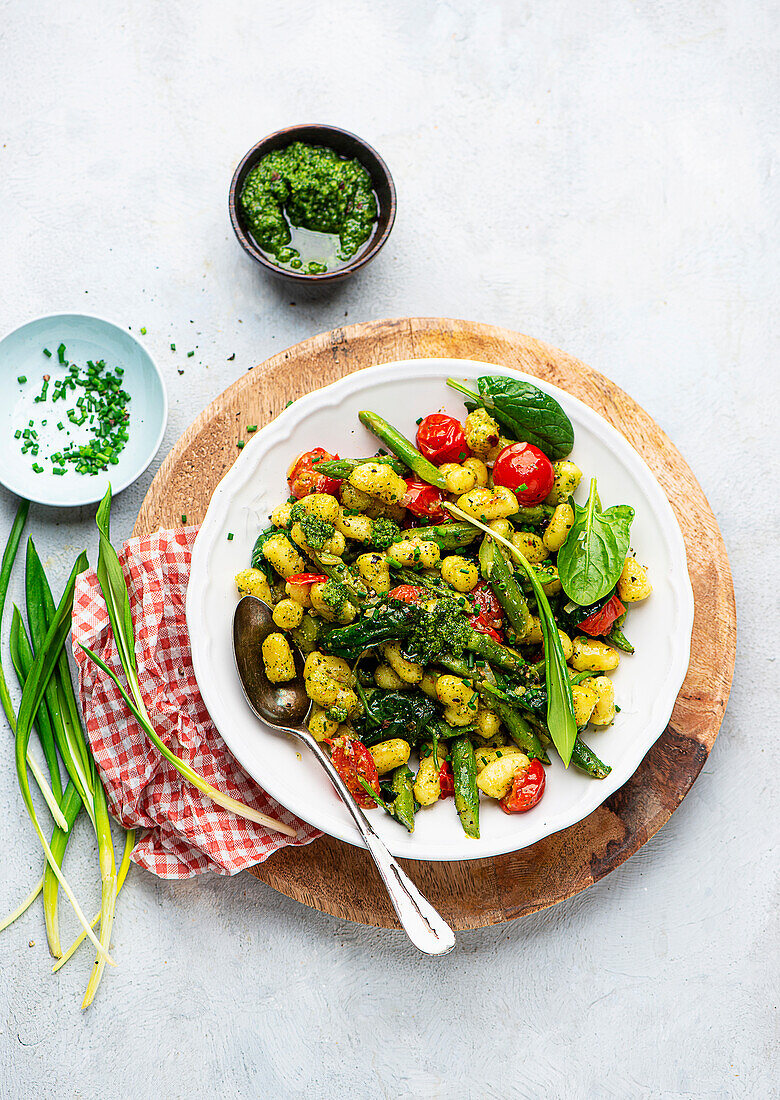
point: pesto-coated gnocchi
(379, 481)
(253, 582)
(415, 553)
(288, 614)
(424, 654)
(487, 504)
(633, 584)
(591, 655)
(278, 659)
(460, 573)
(390, 754)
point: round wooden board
(340, 879)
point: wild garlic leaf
(591, 559)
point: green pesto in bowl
(309, 209)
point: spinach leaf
(403, 714)
(591, 559)
(258, 561)
(524, 412)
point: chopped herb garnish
(241, 444)
(47, 353)
(230, 536)
(173, 347)
(184, 517)
(102, 403)
(143, 331)
(190, 354)
(251, 427)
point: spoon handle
(426, 928)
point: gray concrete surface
(599, 175)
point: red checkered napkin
(184, 832)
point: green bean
(584, 758)
(403, 804)
(464, 778)
(403, 449)
(508, 593)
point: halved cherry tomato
(408, 593)
(525, 470)
(351, 760)
(442, 439)
(307, 578)
(600, 622)
(446, 780)
(303, 478)
(423, 500)
(488, 617)
(527, 789)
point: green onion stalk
(80, 764)
(6, 566)
(114, 588)
(41, 671)
(70, 801)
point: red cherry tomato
(600, 622)
(352, 759)
(527, 789)
(488, 617)
(442, 439)
(446, 780)
(525, 470)
(423, 500)
(307, 578)
(303, 478)
(408, 593)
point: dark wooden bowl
(346, 145)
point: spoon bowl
(285, 707)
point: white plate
(646, 684)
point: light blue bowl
(85, 337)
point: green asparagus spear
(343, 467)
(617, 638)
(520, 731)
(535, 515)
(403, 448)
(584, 758)
(507, 590)
(464, 777)
(447, 536)
(403, 805)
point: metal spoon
(285, 707)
